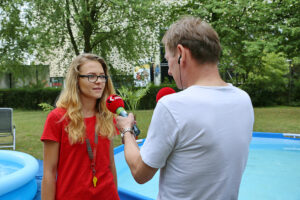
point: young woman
(78, 151)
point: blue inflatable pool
(127, 187)
(17, 175)
(272, 171)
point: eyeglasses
(93, 78)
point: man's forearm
(139, 170)
(132, 152)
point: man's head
(196, 35)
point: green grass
(277, 119)
(29, 125)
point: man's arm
(139, 170)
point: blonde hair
(196, 35)
(69, 99)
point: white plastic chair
(7, 128)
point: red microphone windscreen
(163, 92)
(113, 102)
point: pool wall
(288, 136)
(20, 184)
(124, 193)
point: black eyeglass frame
(92, 75)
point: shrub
(149, 100)
(267, 85)
(28, 98)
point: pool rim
(11, 182)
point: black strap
(89, 147)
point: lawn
(29, 125)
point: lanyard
(92, 155)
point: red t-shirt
(74, 173)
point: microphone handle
(136, 130)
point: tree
(107, 27)
(249, 28)
(102, 27)
(15, 35)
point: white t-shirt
(200, 138)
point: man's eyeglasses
(93, 78)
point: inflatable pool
(127, 187)
(272, 171)
(17, 175)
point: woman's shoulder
(58, 112)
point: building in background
(25, 76)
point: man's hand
(125, 122)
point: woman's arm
(51, 153)
(112, 162)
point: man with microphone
(199, 137)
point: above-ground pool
(17, 175)
(272, 171)
(273, 168)
(127, 187)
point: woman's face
(91, 90)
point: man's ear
(179, 58)
(181, 52)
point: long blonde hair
(69, 99)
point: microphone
(115, 104)
(163, 92)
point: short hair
(69, 99)
(196, 35)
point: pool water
(272, 172)
(7, 167)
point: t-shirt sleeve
(161, 138)
(53, 127)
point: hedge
(29, 98)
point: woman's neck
(88, 107)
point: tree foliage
(15, 34)
(103, 27)
(249, 28)
(259, 39)
(252, 32)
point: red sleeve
(53, 127)
(117, 130)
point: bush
(296, 92)
(267, 85)
(149, 100)
(28, 98)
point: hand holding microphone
(115, 104)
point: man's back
(200, 139)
